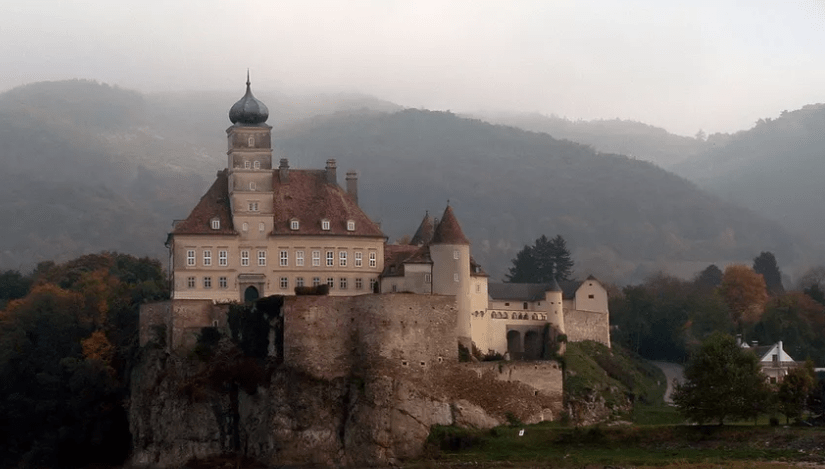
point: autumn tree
(540, 263)
(722, 381)
(744, 292)
(765, 264)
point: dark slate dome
(248, 110)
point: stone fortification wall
(182, 319)
(587, 325)
(327, 337)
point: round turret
(248, 110)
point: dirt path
(672, 371)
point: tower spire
(247, 78)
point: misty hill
(92, 167)
(625, 137)
(621, 217)
(775, 169)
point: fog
(684, 66)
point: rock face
(183, 408)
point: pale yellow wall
(594, 289)
(415, 280)
(273, 271)
(451, 276)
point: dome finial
(248, 110)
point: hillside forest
(91, 167)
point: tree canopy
(744, 292)
(765, 264)
(545, 260)
(722, 381)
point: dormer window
(325, 224)
(350, 225)
(294, 225)
(216, 223)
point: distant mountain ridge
(114, 167)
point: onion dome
(248, 110)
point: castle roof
(476, 270)
(213, 204)
(309, 198)
(424, 234)
(396, 255)
(449, 230)
(248, 110)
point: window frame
(190, 257)
(284, 258)
(316, 258)
(342, 258)
(373, 259)
(244, 257)
(299, 258)
(223, 258)
(330, 258)
(207, 257)
(359, 258)
(222, 283)
(262, 258)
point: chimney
(352, 185)
(332, 175)
(283, 171)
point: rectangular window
(190, 282)
(330, 258)
(207, 258)
(358, 259)
(222, 282)
(244, 257)
(372, 284)
(299, 281)
(331, 282)
(207, 282)
(299, 258)
(262, 258)
(316, 281)
(284, 283)
(253, 206)
(284, 258)
(373, 261)
(455, 277)
(456, 254)
(342, 258)
(343, 283)
(316, 258)
(428, 278)
(222, 258)
(359, 283)
(190, 257)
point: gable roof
(215, 203)
(448, 230)
(308, 198)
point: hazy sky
(716, 65)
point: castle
(261, 231)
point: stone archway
(250, 294)
(532, 345)
(514, 346)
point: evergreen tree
(765, 264)
(541, 262)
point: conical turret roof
(448, 230)
(424, 234)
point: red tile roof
(308, 198)
(215, 203)
(424, 234)
(396, 255)
(448, 230)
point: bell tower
(249, 164)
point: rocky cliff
(190, 407)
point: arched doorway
(250, 294)
(532, 345)
(514, 344)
